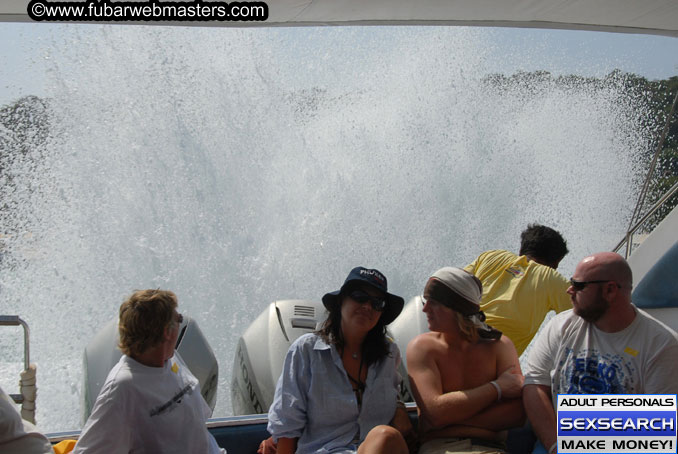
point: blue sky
(23, 51)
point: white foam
(237, 167)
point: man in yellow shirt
(519, 290)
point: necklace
(358, 385)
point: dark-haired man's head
(543, 245)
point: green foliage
(654, 100)
(666, 171)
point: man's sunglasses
(359, 296)
(581, 285)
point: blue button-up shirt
(314, 400)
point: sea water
(237, 167)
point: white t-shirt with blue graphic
(572, 356)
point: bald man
(603, 345)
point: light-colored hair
(468, 329)
(143, 319)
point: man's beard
(594, 311)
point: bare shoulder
(425, 341)
(506, 352)
(494, 345)
(505, 343)
(423, 344)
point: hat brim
(394, 304)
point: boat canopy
(656, 17)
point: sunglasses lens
(378, 304)
(577, 285)
(360, 297)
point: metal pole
(15, 320)
(646, 185)
(655, 207)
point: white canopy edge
(655, 17)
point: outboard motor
(261, 352)
(410, 323)
(102, 354)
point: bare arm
(287, 445)
(500, 416)
(508, 412)
(539, 408)
(439, 408)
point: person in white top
(604, 345)
(18, 435)
(150, 402)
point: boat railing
(15, 320)
(57, 437)
(233, 421)
(639, 221)
(628, 239)
(262, 418)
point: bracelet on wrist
(498, 388)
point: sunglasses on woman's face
(361, 297)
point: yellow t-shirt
(518, 293)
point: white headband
(459, 281)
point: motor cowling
(262, 348)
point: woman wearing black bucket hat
(338, 391)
